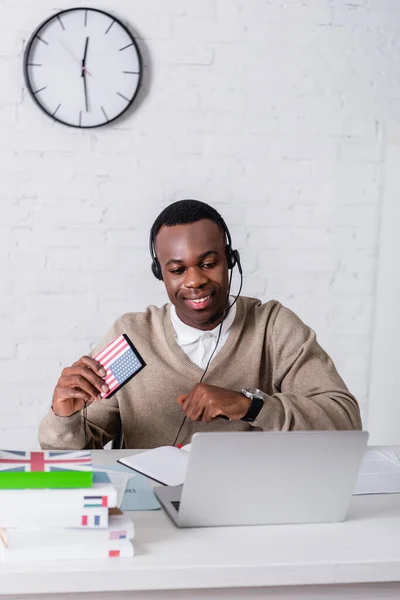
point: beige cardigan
(268, 347)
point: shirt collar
(185, 334)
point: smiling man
(212, 364)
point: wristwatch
(257, 398)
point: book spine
(58, 517)
(45, 480)
(120, 549)
(69, 499)
(118, 529)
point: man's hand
(206, 402)
(78, 384)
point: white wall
(276, 112)
(384, 405)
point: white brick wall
(278, 113)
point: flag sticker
(114, 535)
(44, 462)
(121, 362)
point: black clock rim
(28, 48)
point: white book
(86, 518)
(120, 527)
(59, 507)
(59, 551)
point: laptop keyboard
(176, 504)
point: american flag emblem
(121, 361)
(116, 535)
(44, 462)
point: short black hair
(184, 212)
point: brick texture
(278, 113)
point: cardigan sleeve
(74, 433)
(103, 422)
(310, 394)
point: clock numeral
(85, 18)
(61, 23)
(56, 109)
(132, 72)
(127, 46)
(42, 40)
(80, 118)
(109, 27)
(122, 96)
(41, 89)
(34, 65)
(104, 113)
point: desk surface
(364, 548)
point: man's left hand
(206, 402)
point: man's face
(195, 270)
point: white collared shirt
(197, 344)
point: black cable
(225, 313)
(84, 414)
(202, 377)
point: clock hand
(84, 54)
(72, 55)
(85, 91)
(83, 74)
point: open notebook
(379, 473)
(166, 464)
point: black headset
(232, 259)
(232, 256)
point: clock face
(82, 67)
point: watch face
(83, 68)
(256, 392)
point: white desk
(357, 559)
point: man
(236, 347)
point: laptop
(263, 478)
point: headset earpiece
(232, 256)
(156, 268)
(155, 263)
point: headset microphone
(233, 259)
(216, 317)
(223, 313)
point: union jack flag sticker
(54, 469)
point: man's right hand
(83, 382)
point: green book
(46, 469)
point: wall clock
(83, 68)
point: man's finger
(67, 393)
(95, 380)
(77, 381)
(210, 413)
(87, 374)
(194, 409)
(181, 399)
(195, 415)
(94, 365)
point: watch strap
(254, 409)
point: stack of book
(54, 507)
